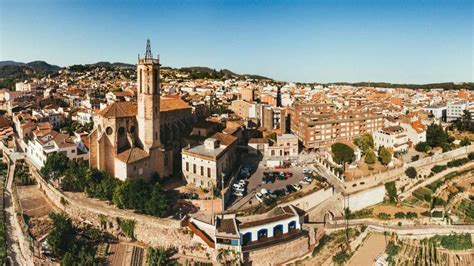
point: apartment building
(456, 109)
(320, 125)
(393, 137)
(204, 164)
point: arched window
(262, 234)
(247, 238)
(109, 131)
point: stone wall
(279, 253)
(311, 200)
(148, 230)
(364, 198)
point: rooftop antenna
(148, 54)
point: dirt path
(14, 235)
(368, 252)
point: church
(126, 138)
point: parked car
(189, 195)
(280, 192)
(297, 186)
(242, 182)
(271, 194)
(236, 185)
(290, 188)
(303, 182)
(259, 197)
(308, 179)
(242, 189)
(288, 175)
(238, 193)
(264, 192)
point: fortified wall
(148, 230)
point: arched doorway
(262, 234)
(278, 230)
(292, 226)
(328, 216)
(247, 238)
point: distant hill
(12, 72)
(198, 72)
(444, 85)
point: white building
(415, 131)
(456, 109)
(438, 111)
(45, 143)
(202, 165)
(85, 116)
(394, 138)
(23, 86)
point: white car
(238, 193)
(264, 192)
(304, 182)
(242, 189)
(259, 196)
(308, 179)
(236, 186)
(242, 182)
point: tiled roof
(120, 109)
(132, 155)
(224, 139)
(171, 103)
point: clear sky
(310, 41)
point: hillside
(12, 72)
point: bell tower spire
(148, 54)
(148, 91)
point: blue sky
(309, 41)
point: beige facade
(319, 125)
(126, 139)
(204, 164)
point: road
(14, 235)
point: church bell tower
(148, 90)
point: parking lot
(255, 184)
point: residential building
(394, 138)
(205, 165)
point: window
(194, 168)
(202, 170)
(187, 167)
(109, 131)
(121, 131)
(208, 172)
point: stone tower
(148, 115)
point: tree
(385, 156)
(370, 157)
(465, 142)
(436, 136)
(411, 172)
(422, 146)
(342, 153)
(391, 191)
(365, 143)
(55, 165)
(61, 238)
(156, 205)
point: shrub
(457, 162)
(340, 257)
(455, 241)
(384, 216)
(422, 147)
(438, 168)
(370, 157)
(411, 172)
(127, 226)
(399, 215)
(322, 242)
(423, 193)
(438, 201)
(415, 158)
(411, 215)
(471, 156)
(342, 153)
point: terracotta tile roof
(132, 155)
(4, 122)
(226, 226)
(171, 103)
(120, 109)
(224, 139)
